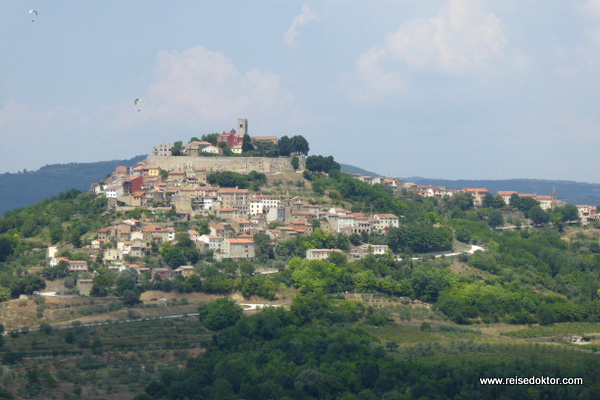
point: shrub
(45, 328)
(88, 363)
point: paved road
(472, 250)
(250, 306)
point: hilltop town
(230, 220)
(178, 186)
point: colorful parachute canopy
(137, 101)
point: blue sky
(443, 89)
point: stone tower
(242, 127)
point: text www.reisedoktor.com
(534, 380)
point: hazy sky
(443, 89)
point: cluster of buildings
(235, 215)
(238, 214)
(393, 183)
(233, 139)
(546, 202)
(586, 213)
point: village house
(259, 204)
(217, 230)
(241, 225)
(237, 248)
(228, 213)
(78, 266)
(112, 257)
(193, 234)
(213, 242)
(177, 176)
(158, 234)
(84, 286)
(121, 171)
(212, 150)
(340, 222)
(185, 270)
(161, 273)
(506, 195)
(259, 221)
(195, 148)
(114, 192)
(302, 228)
(97, 244)
(320, 254)
(302, 216)
(162, 149)
(276, 214)
(132, 184)
(231, 139)
(383, 222)
(366, 249)
(478, 195)
(234, 198)
(150, 171)
(106, 234)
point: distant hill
(25, 188)
(568, 191)
(349, 169)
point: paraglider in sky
(136, 101)
(33, 12)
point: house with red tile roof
(236, 248)
(478, 194)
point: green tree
(336, 258)
(538, 216)
(45, 328)
(247, 144)
(569, 213)
(27, 285)
(499, 201)
(295, 162)
(495, 218)
(284, 144)
(321, 164)
(124, 283)
(69, 337)
(102, 284)
(56, 233)
(4, 296)
(263, 246)
(488, 200)
(211, 138)
(177, 148)
(300, 145)
(8, 244)
(131, 297)
(220, 314)
(515, 201)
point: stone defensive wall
(235, 164)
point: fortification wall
(235, 164)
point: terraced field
(111, 362)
